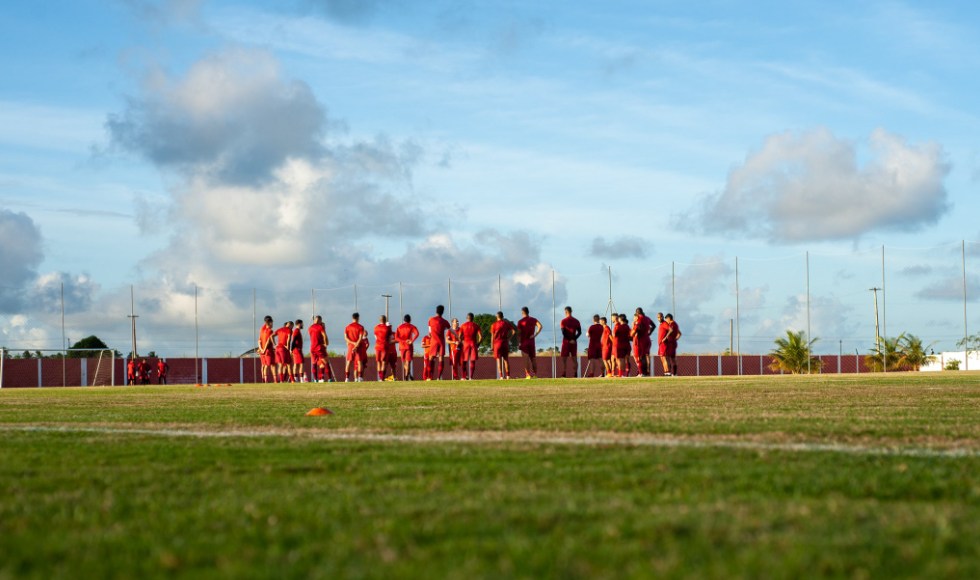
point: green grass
(285, 502)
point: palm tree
(912, 354)
(887, 349)
(793, 353)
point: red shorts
(607, 352)
(622, 350)
(569, 348)
(381, 356)
(267, 359)
(392, 356)
(527, 347)
(501, 349)
(297, 357)
(282, 356)
(639, 350)
(436, 349)
(408, 352)
(668, 348)
(356, 353)
(317, 357)
(594, 352)
(471, 352)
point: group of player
(608, 352)
(141, 372)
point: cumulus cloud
(21, 250)
(233, 117)
(951, 289)
(621, 247)
(811, 186)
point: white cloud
(20, 247)
(811, 186)
(621, 247)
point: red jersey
(353, 333)
(500, 331)
(406, 334)
(570, 327)
(526, 328)
(283, 335)
(297, 339)
(606, 335)
(143, 369)
(664, 327)
(265, 338)
(595, 336)
(437, 330)
(469, 332)
(131, 368)
(621, 334)
(426, 341)
(672, 328)
(162, 368)
(382, 336)
(648, 326)
(317, 333)
(392, 345)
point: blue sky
(396, 140)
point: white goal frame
(5, 352)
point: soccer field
(849, 476)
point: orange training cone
(319, 411)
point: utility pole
(132, 316)
(386, 297)
(877, 334)
(731, 335)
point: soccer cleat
(346, 380)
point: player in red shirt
(162, 369)
(644, 327)
(594, 352)
(607, 347)
(391, 362)
(426, 343)
(528, 329)
(355, 336)
(267, 350)
(500, 333)
(143, 370)
(406, 334)
(438, 327)
(668, 344)
(621, 345)
(382, 339)
(471, 336)
(318, 351)
(456, 351)
(131, 373)
(296, 351)
(571, 329)
(283, 337)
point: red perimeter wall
(17, 373)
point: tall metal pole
(672, 309)
(132, 316)
(500, 295)
(884, 313)
(197, 375)
(738, 326)
(877, 332)
(386, 297)
(64, 353)
(966, 334)
(554, 330)
(731, 336)
(312, 304)
(808, 341)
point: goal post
(102, 374)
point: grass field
(776, 477)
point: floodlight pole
(554, 330)
(738, 326)
(386, 297)
(809, 343)
(64, 353)
(132, 316)
(884, 313)
(966, 334)
(877, 334)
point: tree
(887, 349)
(90, 342)
(970, 343)
(792, 354)
(912, 354)
(485, 321)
